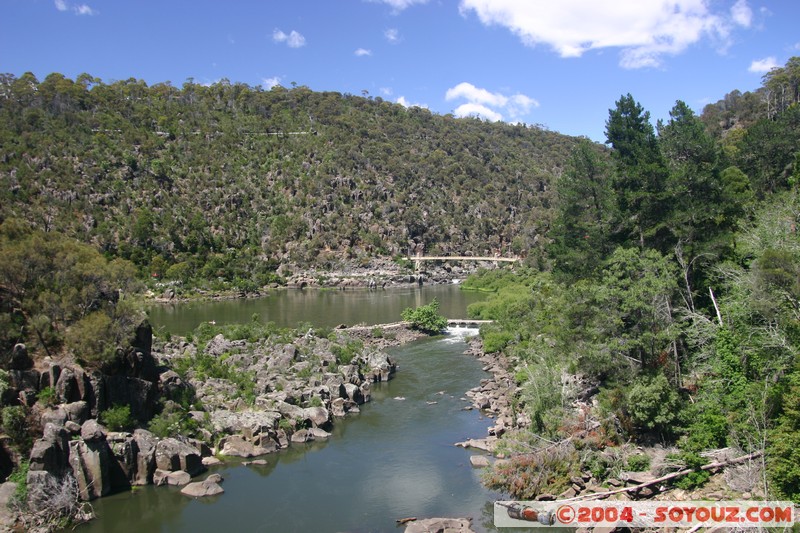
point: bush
(426, 318)
(345, 354)
(117, 418)
(694, 479)
(91, 338)
(16, 426)
(20, 477)
(494, 340)
(172, 424)
(639, 462)
(47, 396)
(654, 405)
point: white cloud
(742, 14)
(405, 103)
(762, 66)
(392, 35)
(645, 31)
(269, 83)
(361, 52)
(84, 9)
(386, 91)
(81, 9)
(293, 39)
(472, 109)
(469, 92)
(481, 102)
(399, 5)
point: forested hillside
(670, 314)
(226, 182)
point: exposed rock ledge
(440, 525)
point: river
(318, 307)
(395, 459)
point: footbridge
(466, 323)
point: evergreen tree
(640, 174)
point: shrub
(694, 479)
(15, 426)
(91, 338)
(345, 354)
(426, 318)
(639, 462)
(654, 405)
(173, 423)
(47, 396)
(494, 341)
(20, 477)
(117, 418)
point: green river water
(395, 459)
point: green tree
(640, 173)
(584, 210)
(783, 461)
(636, 295)
(426, 318)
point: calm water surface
(319, 307)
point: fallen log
(668, 477)
(402, 521)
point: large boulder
(201, 489)
(145, 458)
(250, 423)
(78, 412)
(172, 454)
(125, 450)
(20, 360)
(51, 452)
(237, 446)
(177, 478)
(49, 376)
(72, 385)
(381, 367)
(318, 416)
(91, 464)
(141, 395)
(218, 345)
(92, 431)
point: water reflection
(322, 308)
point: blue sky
(558, 63)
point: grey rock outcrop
(202, 489)
(172, 454)
(237, 446)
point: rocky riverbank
(494, 396)
(609, 472)
(235, 394)
(377, 273)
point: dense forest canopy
(674, 292)
(229, 181)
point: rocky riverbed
(229, 397)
